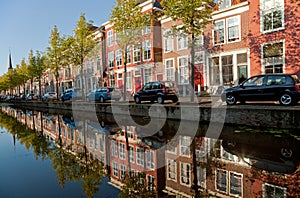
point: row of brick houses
(171, 164)
(244, 38)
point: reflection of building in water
(227, 167)
(179, 165)
(97, 142)
(144, 157)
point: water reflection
(243, 162)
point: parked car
(104, 93)
(49, 96)
(71, 94)
(284, 88)
(157, 91)
(31, 96)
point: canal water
(62, 155)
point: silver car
(49, 96)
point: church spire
(10, 67)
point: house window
(214, 71)
(229, 182)
(128, 54)
(101, 144)
(270, 190)
(171, 146)
(201, 176)
(111, 60)
(221, 180)
(233, 28)
(224, 4)
(219, 32)
(147, 75)
(98, 63)
(146, 50)
(150, 182)
(272, 15)
(110, 38)
(136, 53)
(227, 70)
(273, 57)
(114, 149)
(182, 41)
(199, 40)
(169, 66)
(185, 142)
(199, 56)
(149, 159)
(171, 168)
(131, 154)
(115, 169)
(119, 57)
(185, 173)
(122, 172)
(168, 41)
(146, 30)
(122, 151)
(235, 184)
(128, 81)
(183, 74)
(112, 79)
(140, 156)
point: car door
(252, 89)
(145, 92)
(274, 85)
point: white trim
(165, 20)
(233, 10)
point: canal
(44, 154)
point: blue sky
(26, 24)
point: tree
(55, 54)
(194, 15)
(36, 67)
(128, 20)
(80, 44)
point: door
(253, 89)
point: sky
(27, 24)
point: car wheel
(286, 99)
(286, 152)
(101, 99)
(160, 100)
(230, 99)
(62, 99)
(137, 100)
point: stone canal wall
(259, 115)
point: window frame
(169, 69)
(277, 6)
(185, 69)
(168, 41)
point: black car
(284, 88)
(157, 91)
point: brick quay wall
(275, 116)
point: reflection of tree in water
(68, 167)
(134, 187)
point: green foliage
(194, 15)
(134, 187)
(128, 20)
(78, 46)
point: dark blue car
(71, 94)
(104, 93)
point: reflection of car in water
(265, 151)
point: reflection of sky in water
(24, 176)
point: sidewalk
(187, 99)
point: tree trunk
(192, 68)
